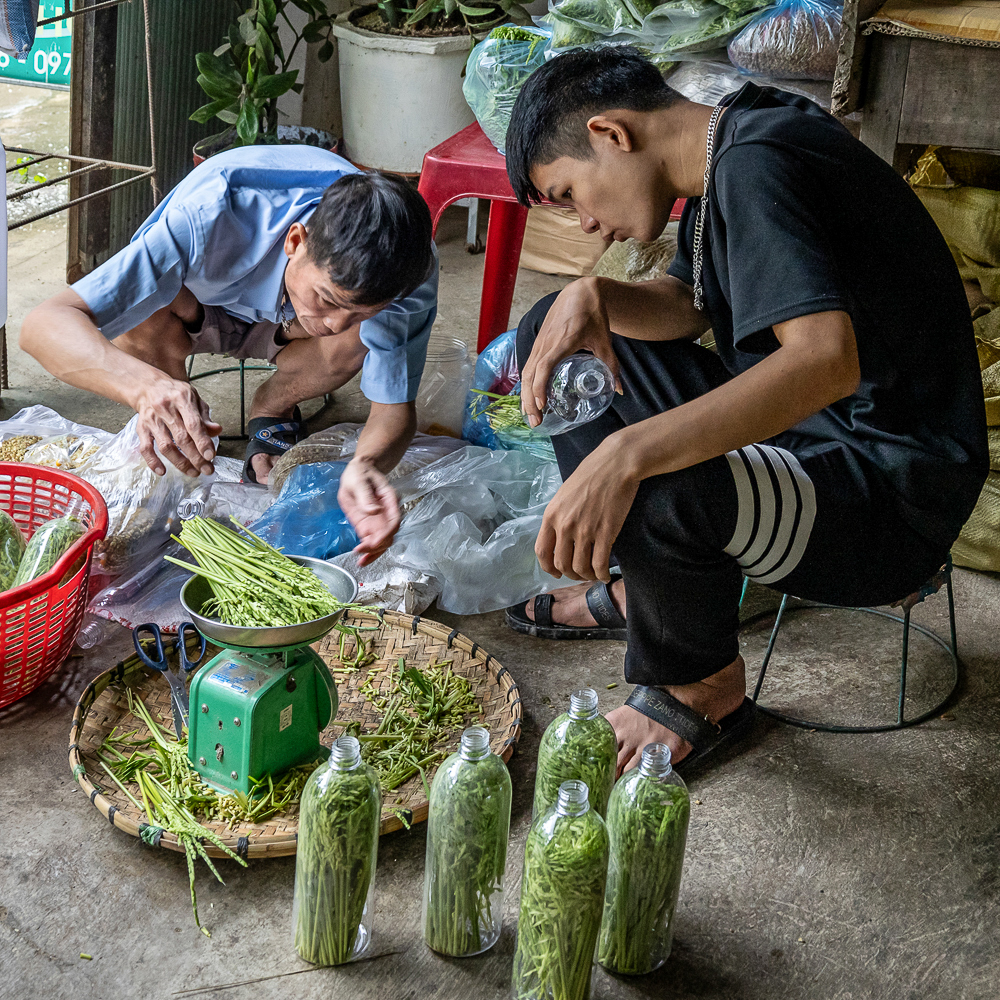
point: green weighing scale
(259, 706)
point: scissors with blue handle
(175, 678)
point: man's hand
(370, 504)
(577, 321)
(584, 518)
(174, 418)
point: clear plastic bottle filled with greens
(467, 827)
(562, 893)
(578, 745)
(647, 823)
(335, 858)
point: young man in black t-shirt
(833, 446)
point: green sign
(48, 61)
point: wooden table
(915, 91)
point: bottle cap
(655, 761)
(583, 703)
(345, 753)
(573, 798)
(475, 743)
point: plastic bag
(305, 520)
(796, 40)
(47, 545)
(40, 436)
(673, 31)
(468, 536)
(142, 506)
(12, 546)
(496, 371)
(496, 71)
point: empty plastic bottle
(190, 507)
(580, 389)
(94, 631)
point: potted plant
(245, 76)
(401, 74)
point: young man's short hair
(372, 234)
(551, 112)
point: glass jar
(578, 745)
(467, 826)
(444, 385)
(647, 824)
(562, 891)
(335, 858)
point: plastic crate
(40, 619)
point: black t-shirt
(803, 218)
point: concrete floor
(822, 866)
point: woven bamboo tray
(103, 705)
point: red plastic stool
(468, 166)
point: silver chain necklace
(697, 252)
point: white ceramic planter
(400, 96)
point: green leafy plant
(245, 76)
(472, 17)
(22, 174)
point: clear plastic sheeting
(707, 81)
(467, 537)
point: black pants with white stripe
(812, 519)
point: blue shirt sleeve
(143, 277)
(396, 339)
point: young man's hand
(577, 321)
(371, 506)
(174, 418)
(583, 519)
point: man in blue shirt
(284, 253)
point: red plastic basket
(40, 619)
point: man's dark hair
(551, 112)
(372, 234)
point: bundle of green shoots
(335, 863)
(562, 892)
(253, 584)
(502, 412)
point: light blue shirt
(220, 232)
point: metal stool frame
(242, 368)
(901, 721)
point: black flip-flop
(707, 738)
(269, 436)
(610, 624)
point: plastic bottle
(190, 507)
(94, 631)
(579, 744)
(580, 389)
(647, 823)
(562, 892)
(335, 858)
(467, 827)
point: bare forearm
(776, 394)
(662, 309)
(67, 343)
(387, 435)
